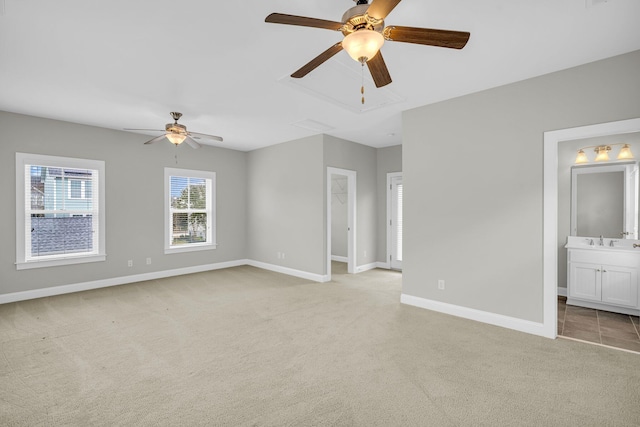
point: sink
(619, 245)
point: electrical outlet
(441, 284)
(282, 255)
(130, 263)
(148, 261)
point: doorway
(341, 218)
(550, 216)
(394, 220)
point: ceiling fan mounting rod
(176, 116)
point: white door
(395, 222)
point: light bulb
(362, 45)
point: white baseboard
(521, 325)
(339, 258)
(562, 292)
(384, 265)
(366, 267)
(115, 281)
(290, 271)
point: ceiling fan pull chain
(362, 87)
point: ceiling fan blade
(428, 36)
(147, 130)
(379, 70)
(281, 18)
(196, 135)
(191, 142)
(156, 139)
(379, 9)
(317, 61)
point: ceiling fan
(365, 32)
(177, 133)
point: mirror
(604, 201)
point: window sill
(25, 265)
(190, 248)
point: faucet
(611, 243)
(591, 242)
(601, 241)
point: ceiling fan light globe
(362, 45)
(176, 138)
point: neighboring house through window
(59, 211)
(189, 210)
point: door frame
(550, 208)
(351, 218)
(390, 176)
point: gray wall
(343, 154)
(285, 202)
(474, 218)
(567, 151)
(134, 199)
(389, 159)
(339, 215)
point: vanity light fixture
(602, 153)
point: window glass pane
(54, 234)
(197, 193)
(188, 228)
(75, 189)
(179, 193)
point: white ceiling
(127, 64)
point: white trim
(123, 280)
(289, 271)
(384, 265)
(550, 208)
(390, 176)
(339, 258)
(366, 267)
(604, 307)
(352, 180)
(115, 281)
(67, 260)
(514, 323)
(562, 292)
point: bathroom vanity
(603, 273)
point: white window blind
(190, 219)
(60, 217)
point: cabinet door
(585, 281)
(620, 286)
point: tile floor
(598, 326)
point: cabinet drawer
(603, 257)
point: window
(59, 211)
(189, 210)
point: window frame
(211, 210)
(98, 252)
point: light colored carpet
(248, 347)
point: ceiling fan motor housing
(356, 19)
(175, 128)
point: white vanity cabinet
(603, 278)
